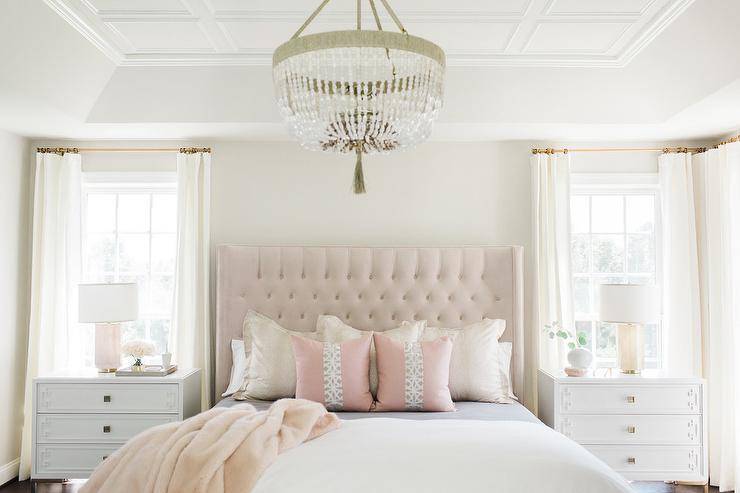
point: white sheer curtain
(53, 334)
(553, 294)
(717, 180)
(681, 314)
(190, 333)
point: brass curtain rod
(77, 150)
(693, 150)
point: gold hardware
(106, 429)
(631, 429)
(76, 150)
(58, 150)
(631, 460)
(630, 399)
(106, 398)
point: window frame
(126, 183)
(622, 184)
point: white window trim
(627, 184)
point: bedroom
(161, 193)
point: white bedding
(392, 455)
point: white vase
(580, 358)
(166, 359)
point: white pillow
(475, 367)
(271, 363)
(504, 354)
(238, 367)
(331, 329)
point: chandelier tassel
(359, 182)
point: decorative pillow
(331, 329)
(271, 364)
(413, 376)
(334, 373)
(238, 367)
(475, 369)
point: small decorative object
(137, 349)
(146, 371)
(166, 358)
(106, 305)
(629, 306)
(579, 357)
(359, 91)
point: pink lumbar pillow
(413, 376)
(334, 374)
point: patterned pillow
(413, 376)
(334, 374)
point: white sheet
(392, 455)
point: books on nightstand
(148, 371)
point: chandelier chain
(393, 16)
(310, 19)
(359, 15)
(375, 15)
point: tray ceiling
(562, 33)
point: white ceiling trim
(639, 28)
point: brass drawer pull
(106, 398)
(631, 460)
(105, 457)
(632, 429)
(106, 429)
(630, 399)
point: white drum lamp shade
(106, 305)
(630, 306)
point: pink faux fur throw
(223, 450)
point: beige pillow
(331, 329)
(475, 366)
(271, 364)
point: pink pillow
(413, 376)
(334, 374)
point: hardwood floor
(71, 487)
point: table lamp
(630, 306)
(106, 305)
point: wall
(15, 170)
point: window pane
(607, 214)
(579, 214)
(640, 253)
(133, 253)
(133, 213)
(606, 342)
(101, 213)
(164, 213)
(159, 330)
(100, 253)
(133, 330)
(163, 253)
(640, 213)
(651, 340)
(162, 292)
(608, 253)
(580, 253)
(582, 295)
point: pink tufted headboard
(369, 288)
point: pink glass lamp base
(107, 347)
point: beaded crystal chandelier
(359, 91)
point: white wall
(15, 174)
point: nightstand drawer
(100, 397)
(70, 461)
(677, 429)
(632, 399)
(683, 462)
(95, 428)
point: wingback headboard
(369, 288)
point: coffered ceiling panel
(553, 33)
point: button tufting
(497, 298)
(428, 297)
(438, 318)
(315, 296)
(393, 317)
(416, 317)
(370, 277)
(393, 277)
(269, 295)
(303, 315)
(326, 276)
(347, 317)
(291, 296)
(370, 316)
(303, 276)
(336, 297)
(403, 297)
(349, 276)
(461, 317)
(282, 276)
(382, 296)
(280, 315)
(416, 276)
(460, 277)
(359, 296)
(439, 277)
(449, 298)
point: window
(129, 224)
(614, 239)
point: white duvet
(392, 455)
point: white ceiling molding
(537, 33)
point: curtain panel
(716, 176)
(190, 331)
(553, 293)
(53, 334)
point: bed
(480, 447)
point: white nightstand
(79, 418)
(648, 428)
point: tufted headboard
(368, 288)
